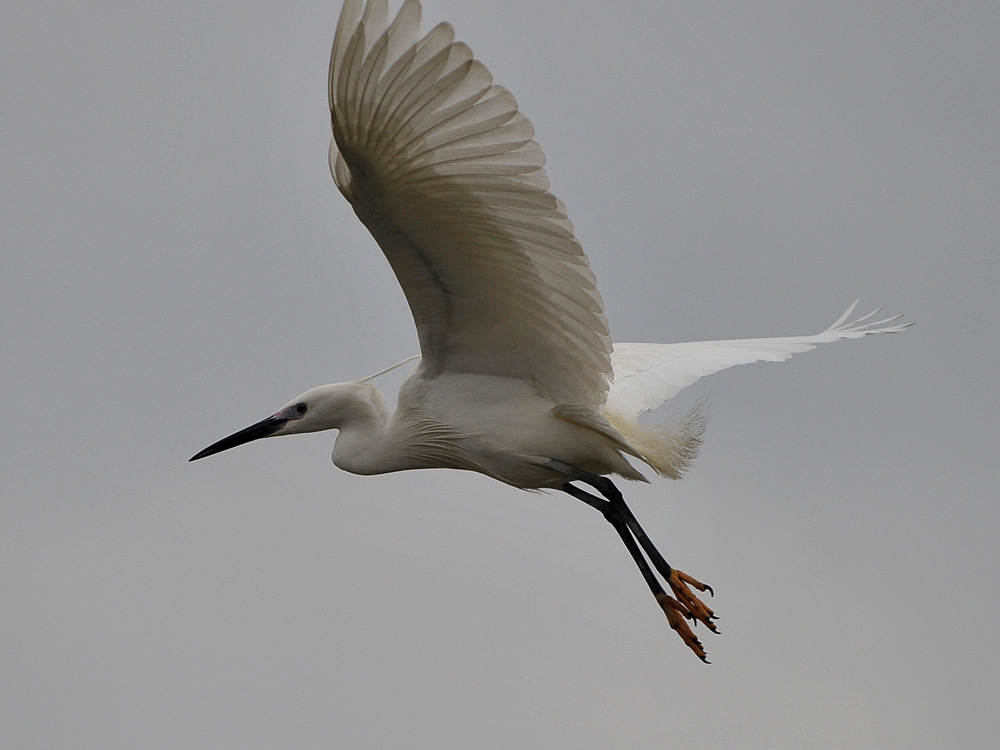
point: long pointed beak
(262, 429)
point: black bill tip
(262, 429)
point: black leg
(623, 531)
(620, 516)
(617, 503)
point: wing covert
(440, 165)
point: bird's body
(517, 377)
(498, 426)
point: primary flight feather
(440, 165)
(517, 377)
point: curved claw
(672, 608)
(695, 607)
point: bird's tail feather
(669, 449)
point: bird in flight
(517, 376)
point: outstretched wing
(440, 165)
(646, 375)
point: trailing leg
(686, 605)
(677, 613)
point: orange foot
(685, 607)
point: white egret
(517, 377)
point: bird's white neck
(359, 411)
(371, 439)
(364, 447)
(366, 443)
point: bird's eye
(300, 408)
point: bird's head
(326, 407)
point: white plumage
(517, 377)
(646, 375)
(440, 165)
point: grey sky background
(178, 264)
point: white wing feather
(440, 165)
(646, 375)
